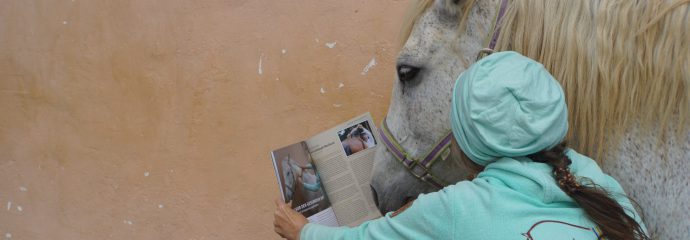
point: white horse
(624, 66)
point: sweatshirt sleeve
(431, 216)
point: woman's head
(507, 105)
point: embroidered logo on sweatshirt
(553, 230)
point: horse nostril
(407, 72)
(376, 198)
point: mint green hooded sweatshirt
(513, 198)
(505, 106)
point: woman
(509, 118)
(310, 179)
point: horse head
(435, 53)
(623, 67)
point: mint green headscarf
(507, 105)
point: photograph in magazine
(329, 174)
(356, 138)
(300, 182)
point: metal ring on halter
(484, 52)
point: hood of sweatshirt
(537, 180)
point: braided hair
(603, 210)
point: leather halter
(496, 30)
(420, 168)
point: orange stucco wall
(154, 119)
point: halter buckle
(484, 52)
(418, 170)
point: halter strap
(418, 167)
(495, 31)
(496, 27)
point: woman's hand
(287, 222)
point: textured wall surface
(154, 119)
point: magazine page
(345, 157)
(300, 183)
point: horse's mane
(621, 63)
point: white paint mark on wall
(376, 95)
(23, 189)
(8, 235)
(283, 51)
(277, 79)
(172, 171)
(261, 59)
(146, 174)
(369, 66)
(331, 45)
(323, 90)
(316, 39)
(341, 85)
(9, 205)
(19, 208)
(64, 22)
(160, 206)
(129, 222)
(337, 105)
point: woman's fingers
(279, 219)
(287, 222)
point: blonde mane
(621, 63)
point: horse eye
(406, 72)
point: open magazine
(327, 176)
